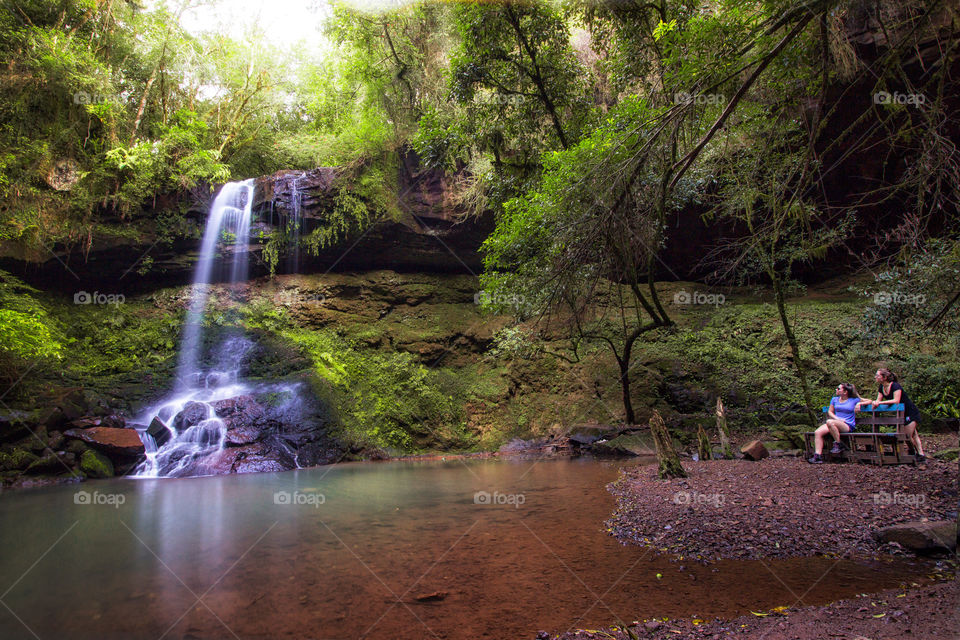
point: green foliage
(28, 335)
(387, 398)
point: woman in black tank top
(889, 390)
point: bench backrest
(888, 414)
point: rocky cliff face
(430, 236)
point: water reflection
(494, 548)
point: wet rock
(632, 444)
(47, 463)
(920, 537)
(14, 425)
(55, 440)
(159, 431)
(96, 465)
(37, 440)
(754, 450)
(588, 434)
(251, 458)
(191, 414)
(123, 442)
(243, 417)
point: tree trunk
(625, 389)
(704, 451)
(725, 448)
(667, 458)
(794, 348)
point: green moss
(96, 465)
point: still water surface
(389, 550)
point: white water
(194, 440)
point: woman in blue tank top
(841, 418)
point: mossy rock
(16, 460)
(634, 444)
(45, 464)
(96, 465)
(947, 455)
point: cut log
(754, 450)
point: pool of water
(442, 549)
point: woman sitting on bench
(891, 391)
(841, 418)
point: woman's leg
(836, 428)
(818, 435)
(913, 435)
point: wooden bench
(872, 445)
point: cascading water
(189, 429)
(293, 225)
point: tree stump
(754, 450)
(704, 450)
(725, 447)
(667, 458)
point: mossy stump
(725, 448)
(704, 452)
(667, 458)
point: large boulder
(160, 433)
(243, 417)
(921, 537)
(251, 458)
(96, 465)
(631, 444)
(192, 414)
(123, 442)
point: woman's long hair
(851, 389)
(887, 375)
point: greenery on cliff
(805, 138)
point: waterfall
(230, 213)
(293, 226)
(184, 429)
